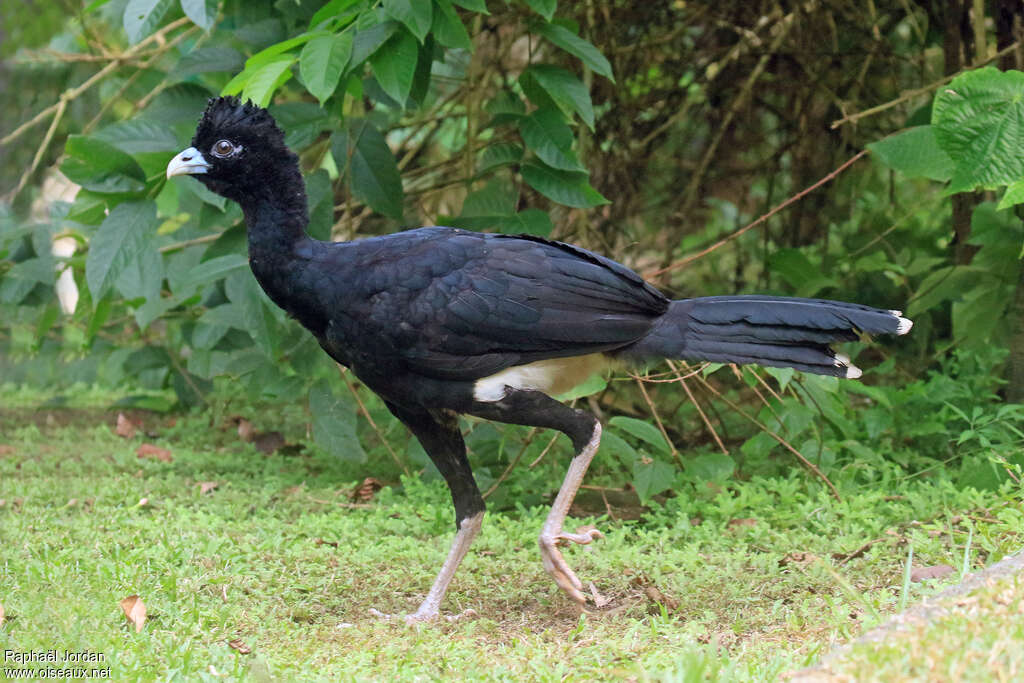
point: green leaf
(201, 12)
(644, 431)
(331, 10)
(142, 16)
(949, 283)
(394, 65)
(322, 62)
(121, 238)
(136, 136)
(979, 123)
(265, 80)
(915, 153)
(368, 41)
(798, 271)
(494, 199)
(417, 15)
(651, 478)
(1014, 195)
(473, 5)
(363, 156)
(499, 154)
(208, 271)
(715, 467)
(576, 46)
(546, 133)
(564, 187)
(545, 83)
(334, 423)
(251, 310)
(545, 8)
(100, 167)
(448, 28)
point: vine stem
(733, 235)
(72, 93)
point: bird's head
(239, 152)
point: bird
(442, 322)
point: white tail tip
(904, 325)
(852, 371)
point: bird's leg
(535, 409)
(429, 608)
(439, 434)
(552, 535)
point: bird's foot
(555, 564)
(421, 616)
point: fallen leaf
(735, 524)
(1, 614)
(238, 645)
(799, 558)
(365, 491)
(6, 450)
(207, 486)
(268, 442)
(320, 541)
(134, 611)
(246, 432)
(124, 428)
(842, 558)
(938, 571)
(148, 450)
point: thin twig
(343, 371)
(72, 93)
(911, 94)
(37, 159)
(733, 235)
(700, 411)
(807, 463)
(515, 461)
(554, 437)
(657, 419)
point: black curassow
(441, 322)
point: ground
(263, 567)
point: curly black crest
(224, 115)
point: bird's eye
(223, 148)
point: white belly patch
(553, 376)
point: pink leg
(551, 534)
(428, 609)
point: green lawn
(744, 583)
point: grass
(743, 583)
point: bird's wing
(463, 305)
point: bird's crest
(225, 114)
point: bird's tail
(766, 330)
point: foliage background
(653, 132)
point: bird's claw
(419, 617)
(557, 567)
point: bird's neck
(275, 225)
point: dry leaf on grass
(1, 614)
(207, 486)
(365, 491)
(124, 428)
(265, 442)
(939, 571)
(149, 451)
(134, 611)
(6, 450)
(799, 558)
(736, 524)
(240, 646)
